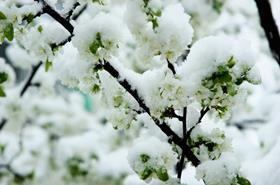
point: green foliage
(29, 18)
(149, 170)
(222, 81)
(145, 3)
(153, 16)
(98, 1)
(48, 65)
(243, 181)
(2, 148)
(162, 174)
(19, 179)
(40, 28)
(218, 5)
(2, 16)
(144, 158)
(96, 44)
(9, 32)
(3, 77)
(146, 173)
(95, 88)
(231, 62)
(2, 92)
(74, 167)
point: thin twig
(202, 114)
(171, 67)
(79, 13)
(3, 123)
(29, 80)
(70, 13)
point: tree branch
(270, 27)
(70, 13)
(202, 114)
(29, 80)
(56, 16)
(171, 67)
(182, 159)
(81, 11)
(3, 123)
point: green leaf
(231, 62)
(9, 32)
(3, 77)
(231, 90)
(98, 1)
(2, 148)
(162, 174)
(40, 28)
(48, 65)
(146, 173)
(29, 18)
(95, 88)
(19, 179)
(74, 169)
(96, 44)
(2, 16)
(145, 3)
(2, 93)
(218, 5)
(243, 181)
(144, 158)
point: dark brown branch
(70, 13)
(182, 159)
(3, 123)
(269, 25)
(80, 12)
(171, 67)
(202, 114)
(56, 16)
(30, 78)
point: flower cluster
(160, 34)
(217, 86)
(103, 39)
(122, 107)
(151, 158)
(223, 171)
(164, 91)
(208, 146)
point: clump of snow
(151, 157)
(100, 38)
(222, 171)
